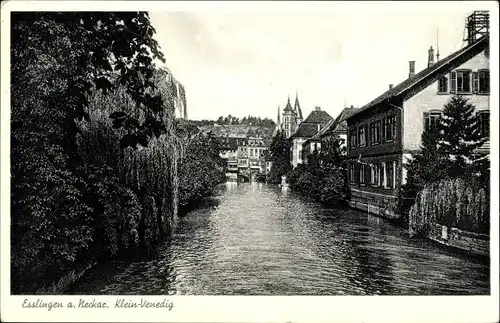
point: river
(256, 239)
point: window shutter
(475, 82)
(426, 121)
(383, 129)
(453, 88)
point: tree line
(247, 121)
(99, 165)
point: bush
(461, 203)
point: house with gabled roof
(383, 134)
(316, 120)
(334, 128)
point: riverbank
(463, 241)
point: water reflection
(259, 239)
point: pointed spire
(437, 47)
(288, 106)
(278, 124)
(298, 110)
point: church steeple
(298, 110)
(288, 105)
(278, 124)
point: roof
(337, 124)
(318, 117)
(288, 106)
(340, 124)
(430, 72)
(306, 130)
(309, 127)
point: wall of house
(297, 151)
(429, 100)
(382, 148)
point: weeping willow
(458, 202)
(144, 206)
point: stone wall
(373, 203)
(474, 243)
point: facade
(316, 120)
(384, 134)
(229, 153)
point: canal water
(256, 239)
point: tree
(460, 136)
(59, 201)
(429, 164)
(96, 48)
(280, 157)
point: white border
(250, 308)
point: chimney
(431, 57)
(317, 108)
(412, 69)
(390, 86)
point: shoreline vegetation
(99, 164)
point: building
(384, 134)
(252, 155)
(335, 128)
(292, 117)
(316, 120)
(229, 153)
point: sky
(247, 63)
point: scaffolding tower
(477, 25)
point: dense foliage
(201, 168)
(94, 145)
(449, 159)
(280, 157)
(460, 203)
(324, 176)
(449, 147)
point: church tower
(289, 119)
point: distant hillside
(237, 130)
(230, 120)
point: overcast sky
(243, 63)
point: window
(460, 81)
(362, 136)
(390, 128)
(443, 85)
(375, 175)
(431, 118)
(484, 123)
(375, 132)
(352, 173)
(362, 173)
(389, 174)
(352, 138)
(482, 82)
